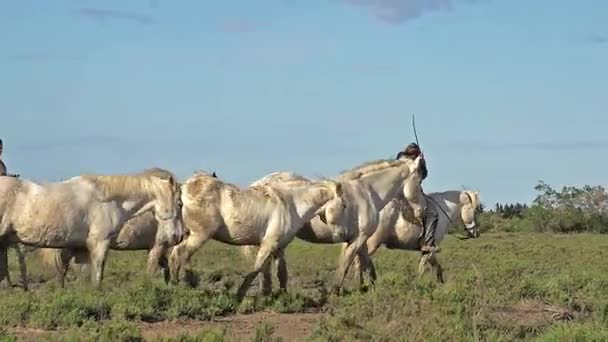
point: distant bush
(571, 210)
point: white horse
(85, 213)
(367, 189)
(263, 216)
(138, 233)
(397, 229)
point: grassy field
(501, 287)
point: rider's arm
(425, 172)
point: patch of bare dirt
(289, 327)
(528, 313)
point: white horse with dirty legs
(367, 189)
(268, 217)
(85, 213)
(398, 230)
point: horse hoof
(239, 298)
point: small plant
(204, 336)
(263, 333)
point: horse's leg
(154, 256)
(282, 270)
(436, 267)
(372, 270)
(98, 252)
(368, 265)
(359, 267)
(184, 251)
(4, 264)
(163, 263)
(62, 264)
(423, 265)
(372, 245)
(267, 249)
(356, 265)
(349, 254)
(22, 265)
(266, 279)
(362, 264)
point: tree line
(568, 210)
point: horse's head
(470, 203)
(333, 188)
(167, 203)
(333, 209)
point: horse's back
(49, 214)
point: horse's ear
(322, 217)
(339, 188)
(465, 198)
(214, 175)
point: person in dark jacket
(429, 217)
(3, 171)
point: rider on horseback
(430, 217)
(3, 171)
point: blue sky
(505, 92)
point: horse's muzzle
(178, 236)
(473, 232)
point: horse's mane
(112, 186)
(157, 172)
(204, 188)
(474, 197)
(368, 167)
(471, 195)
(284, 177)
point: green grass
(501, 287)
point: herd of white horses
(82, 218)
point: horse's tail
(51, 258)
